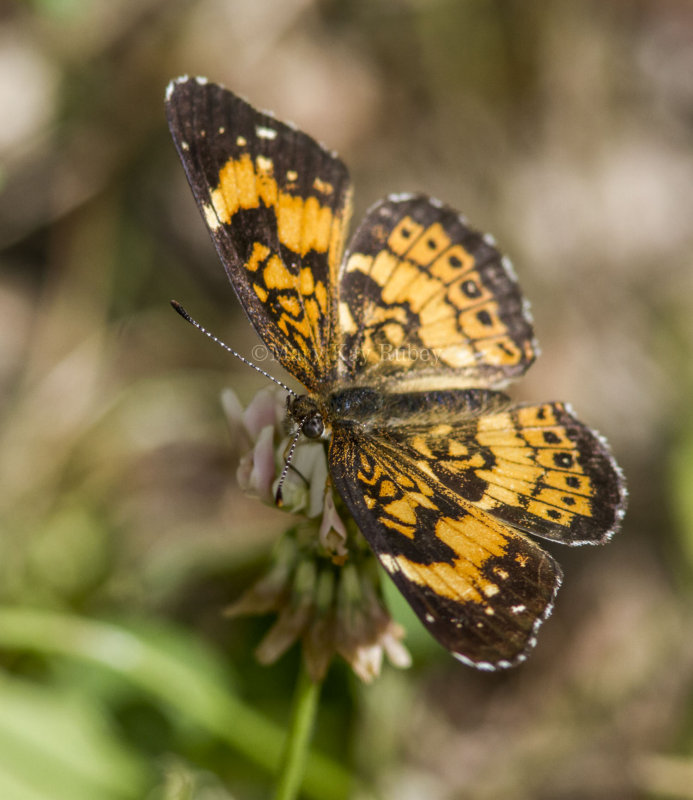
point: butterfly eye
(312, 426)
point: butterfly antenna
(179, 308)
(278, 499)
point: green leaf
(52, 746)
(180, 682)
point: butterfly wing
(276, 204)
(537, 468)
(426, 301)
(481, 588)
(446, 484)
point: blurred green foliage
(565, 128)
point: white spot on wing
(402, 197)
(508, 267)
(265, 133)
(389, 563)
(211, 217)
(172, 85)
(483, 665)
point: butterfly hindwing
(481, 588)
(277, 205)
(426, 301)
(537, 468)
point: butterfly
(404, 342)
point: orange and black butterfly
(403, 342)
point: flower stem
(293, 761)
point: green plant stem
(298, 737)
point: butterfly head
(306, 413)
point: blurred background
(566, 130)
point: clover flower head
(322, 583)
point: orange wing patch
(303, 223)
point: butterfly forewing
(277, 205)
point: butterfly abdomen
(373, 408)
